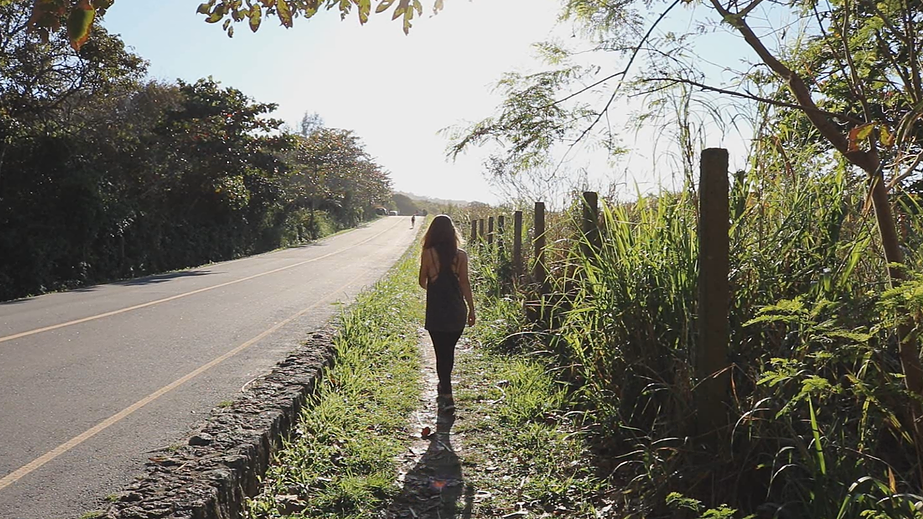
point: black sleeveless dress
(445, 304)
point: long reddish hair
(443, 238)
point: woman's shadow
(434, 487)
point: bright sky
(395, 91)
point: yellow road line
(179, 296)
(21, 472)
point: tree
(77, 17)
(310, 123)
(39, 77)
(225, 143)
(330, 170)
(846, 72)
(54, 151)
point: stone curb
(209, 477)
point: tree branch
(631, 60)
(753, 97)
(868, 161)
(589, 87)
(836, 57)
(912, 51)
(909, 171)
(856, 85)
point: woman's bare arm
(424, 269)
(465, 284)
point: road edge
(221, 464)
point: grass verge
(339, 462)
(524, 453)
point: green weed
(340, 462)
(817, 412)
(521, 452)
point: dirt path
(430, 471)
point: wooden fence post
(474, 231)
(711, 356)
(500, 221)
(480, 231)
(590, 224)
(517, 244)
(539, 270)
(490, 231)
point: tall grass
(818, 414)
(521, 441)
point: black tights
(444, 344)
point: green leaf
(677, 501)
(401, 7)
(256, 16)
(310, 10)
(773, 318)
(365, 7)
(285, 13)
(815, 430)
(815, 385)
(857, 337)
(723, 511)
(217, 15)
(383, 6)
(203, 8)
(79, 22)
(408, 15)
(859, 133)
(887, 138)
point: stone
(201, 439)
(223, 463)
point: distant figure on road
(444, 275)
(413, 220)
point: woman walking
(444, 275)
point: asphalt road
(94, 381)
